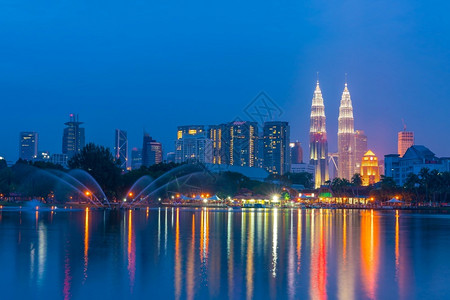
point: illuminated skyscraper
(193, 145)
(28, 149)
(240, 143)
(276, 151)
(215, 134)
(405, 140)
(73, 137)
(346, 137)
(360, 149)
(370, 171)
(318, 145)
(121, 148)
(151, 151)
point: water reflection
(207, 253)
(369, 253)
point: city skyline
(195, 75)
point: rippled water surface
(200, 253)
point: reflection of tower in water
(318, 268)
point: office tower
(73, 137)
(360, 149)
(215, 134)
(346, 137)
(296, 152)
(193, 145)
(370, 171)
(136, 158)
(276, 147)
(259, 154)
(240, 143)
(405, 140)
(318, 145)
(28, 147)
(121, 148)
(151, 151)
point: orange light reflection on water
(86, 243)
(131, 250)
(369, 253)
(190, 280)
(318, 272)
(177, 270)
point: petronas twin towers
(318, 144)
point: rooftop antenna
(404, 125)
(345, 79)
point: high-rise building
(360, 149)
(346, 137)
(73, 137)
(193, 145)
(370, 171)
(151, 151)
(276, 147)
(215, 134)
(318, 144)
(296, 152)
(405, 140)
(136, 158)
(121, 148)
(28, 147)
(240, 143)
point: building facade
(296, 152)
(318, 144)
(60, 159)
(370, 171)
(405, 140)
(73, 136)
(240, 143)
(28, 145)
(276, 136)
(193, 145)
(151, 151)
(136, 158)
(346, 137)
(415, 159)
(121, 148)
(303, 168)
(360, 149)
(216, 135)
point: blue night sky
(158, 64)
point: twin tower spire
(318, 144)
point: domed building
(370, 172)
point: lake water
(205, 253)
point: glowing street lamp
(130, 194)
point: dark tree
(99, 162)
